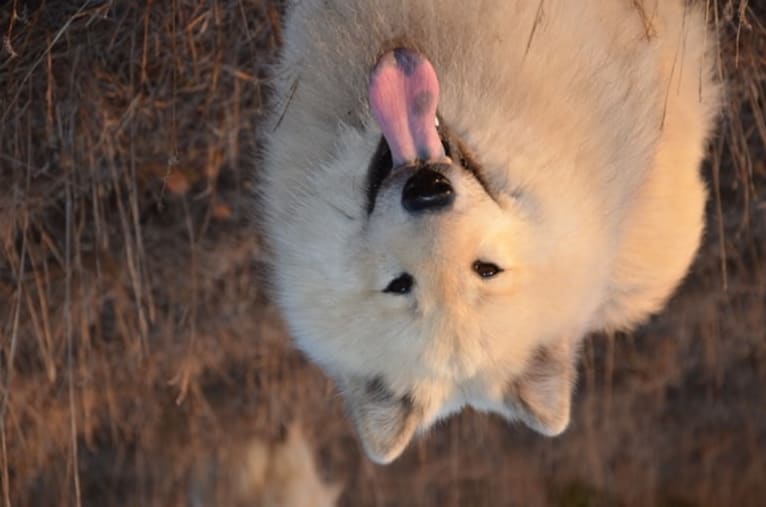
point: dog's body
(584, 126)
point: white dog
(455, 193)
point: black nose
(427, 190)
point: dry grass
(138, 351)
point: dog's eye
(402, 284)
(486, 269)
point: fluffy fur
(282, 474)
(587, 121)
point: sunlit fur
(280, 474)
(588, 120)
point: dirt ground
(139, 351)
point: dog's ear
(541, 397)
(384, 422)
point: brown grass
(138, 350)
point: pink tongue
(404, 93)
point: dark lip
(381, 165)
(462, 156)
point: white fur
(589, 120)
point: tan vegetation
(139, 352)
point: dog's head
(450, 290)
